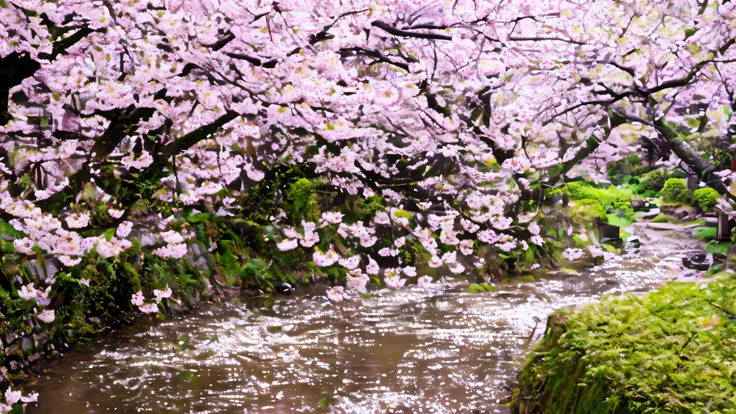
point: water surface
(413, 350)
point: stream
(411, 350)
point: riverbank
(671, 350)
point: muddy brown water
(411, 350)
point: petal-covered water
(411, 350)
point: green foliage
(591, 201)
(302, 202)
(670, 351)
(182, 343)
(7, 229)
(706, 198)
(705, 233)
(587, 211)
(361, 208)
(629, 166)
(718, 247)
(607, 197)
(653, 180)
(616, 220)
(675, 191)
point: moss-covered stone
(669, 351)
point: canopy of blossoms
(449, 111)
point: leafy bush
(629, 166)
(675, 191)
(653, 180)
(670, 351)
(587, 211)
(607, 197)
(617, 199)
(706, 198)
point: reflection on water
(400, 351)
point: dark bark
(16, 67)
(199, 134)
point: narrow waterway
(412, 350)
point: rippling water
(413, 350)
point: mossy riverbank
(672, 350)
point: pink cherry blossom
(77, 220)
(372, 268)
(325, 259)
(394, 281)
(337, 294)
(357, 282)
(148, 308)
(172, 251)
(47, 316)
(424, 281)
(573, 254)
(162, 294)
(137, 299)
(287, 244)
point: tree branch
(199, 134)
(405, 33)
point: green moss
(670, 351)
(675, 191)
(482, 287)
(706, 198)
(660, 218)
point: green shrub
(614, 198)
(587, 211)
(675, 191)
(626, 167)
(706, 198)
(653, 180)
(607, 197)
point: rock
(97, 321)
(640, 205)
(176, 307)
(553, 199)
(634, 242)
(677, 210)
(698, 261)
(719, 258)
(283, 288)
(648, 215)
(671, 226)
